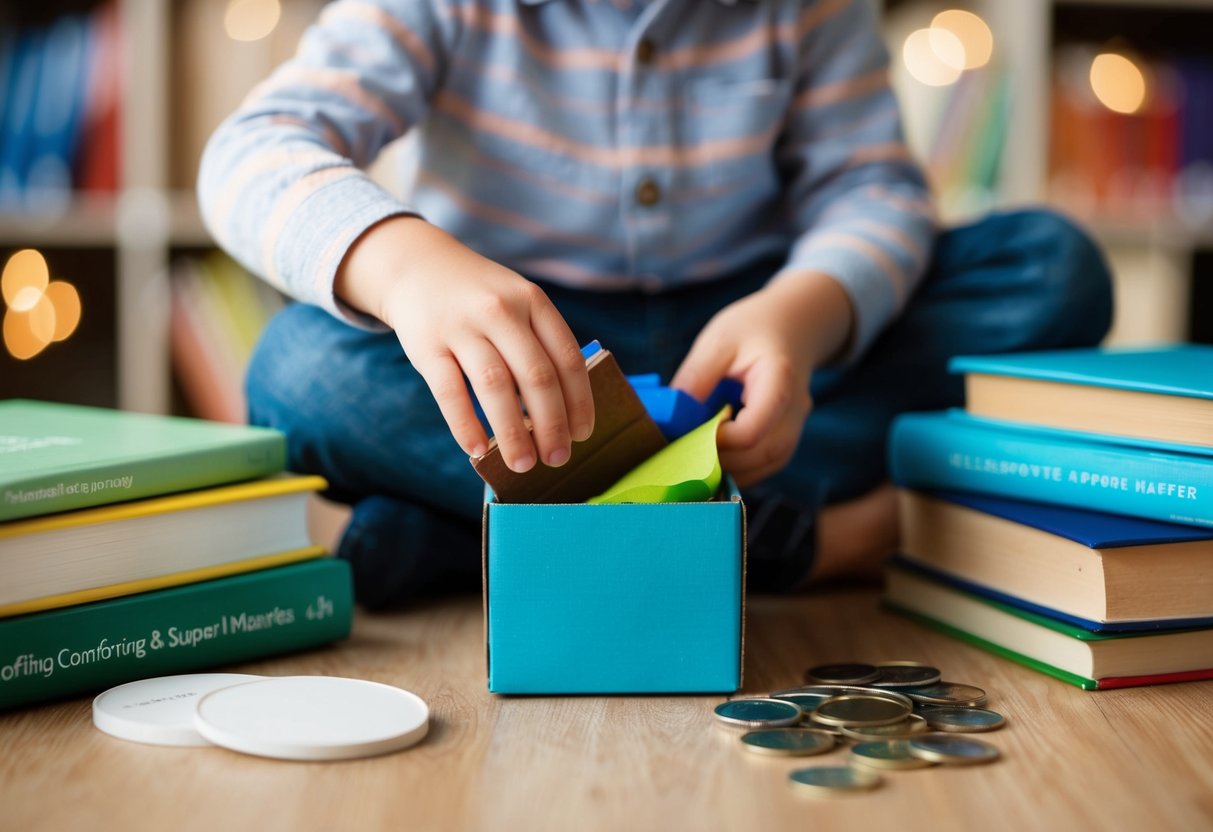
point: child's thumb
(703, 368)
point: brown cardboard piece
(624, 436)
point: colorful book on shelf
(50, 655)
(57, 457)
(1161, 394)
(953, 451)
(17, 116)
(108, 551)
(1102, 572)
(1092, 661)
(58, 111)
(209, 371)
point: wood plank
(1126, 759)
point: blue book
(1152, 395)
(954, 451)
(18, 118)
(58, 108)
(1101, 572)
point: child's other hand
(770, 341)
(459, 314)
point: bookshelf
(1156, 259)
(174, 93)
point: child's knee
(1074, 276)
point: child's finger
(539, 385)
(767, 396)
(703, 368)
(557, 339)
(445, 380)
(493, 384)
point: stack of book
(1065, 518)
(134, 546)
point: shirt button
(648, 192)
(645, 51)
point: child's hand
(459, 314)
(771, 341)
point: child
(710, 188)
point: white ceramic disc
(159, 711)
(312, 718)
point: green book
(58, 653)
(1090, 660)
(58, 457)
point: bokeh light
(922, 55)
(38, 311)
(1118, 82)
(65, 300)
(975, 37)
(250, 20)
(24, 279)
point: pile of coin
(901, 715)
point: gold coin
(759, 713)
(833, 781)
(860, 709)
(788, 742)
(840, 690)
(906, 675)
(963, 720)
(952, 749)
(889, 754)
(908, 727)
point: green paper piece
(685, 471)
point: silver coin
(849, 673)
(859, 709)
(888, 754)
(906, 675)
(952, 749)
(947, 693)
(833, 781)
(759, 713)
(843, 690)
(962, 720)
(911, 726)
(788, 742)
(808, 702)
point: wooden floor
(1118, 760)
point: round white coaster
(312, 718)
(159, 711)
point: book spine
(996, 649)
(950, 452)
(98, 485)
(181, 630)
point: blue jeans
(356, 412)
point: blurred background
(114, 295)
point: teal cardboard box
(628, 598)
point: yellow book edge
(185, 501)
(190, 576)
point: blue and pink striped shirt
(605, 144)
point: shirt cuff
(320, 233)
(866, 282)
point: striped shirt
(602, 144)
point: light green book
(58, 457)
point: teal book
(1089, 660)
(59, 653)
(58, 457)
(957, 452)
(1155, 395)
